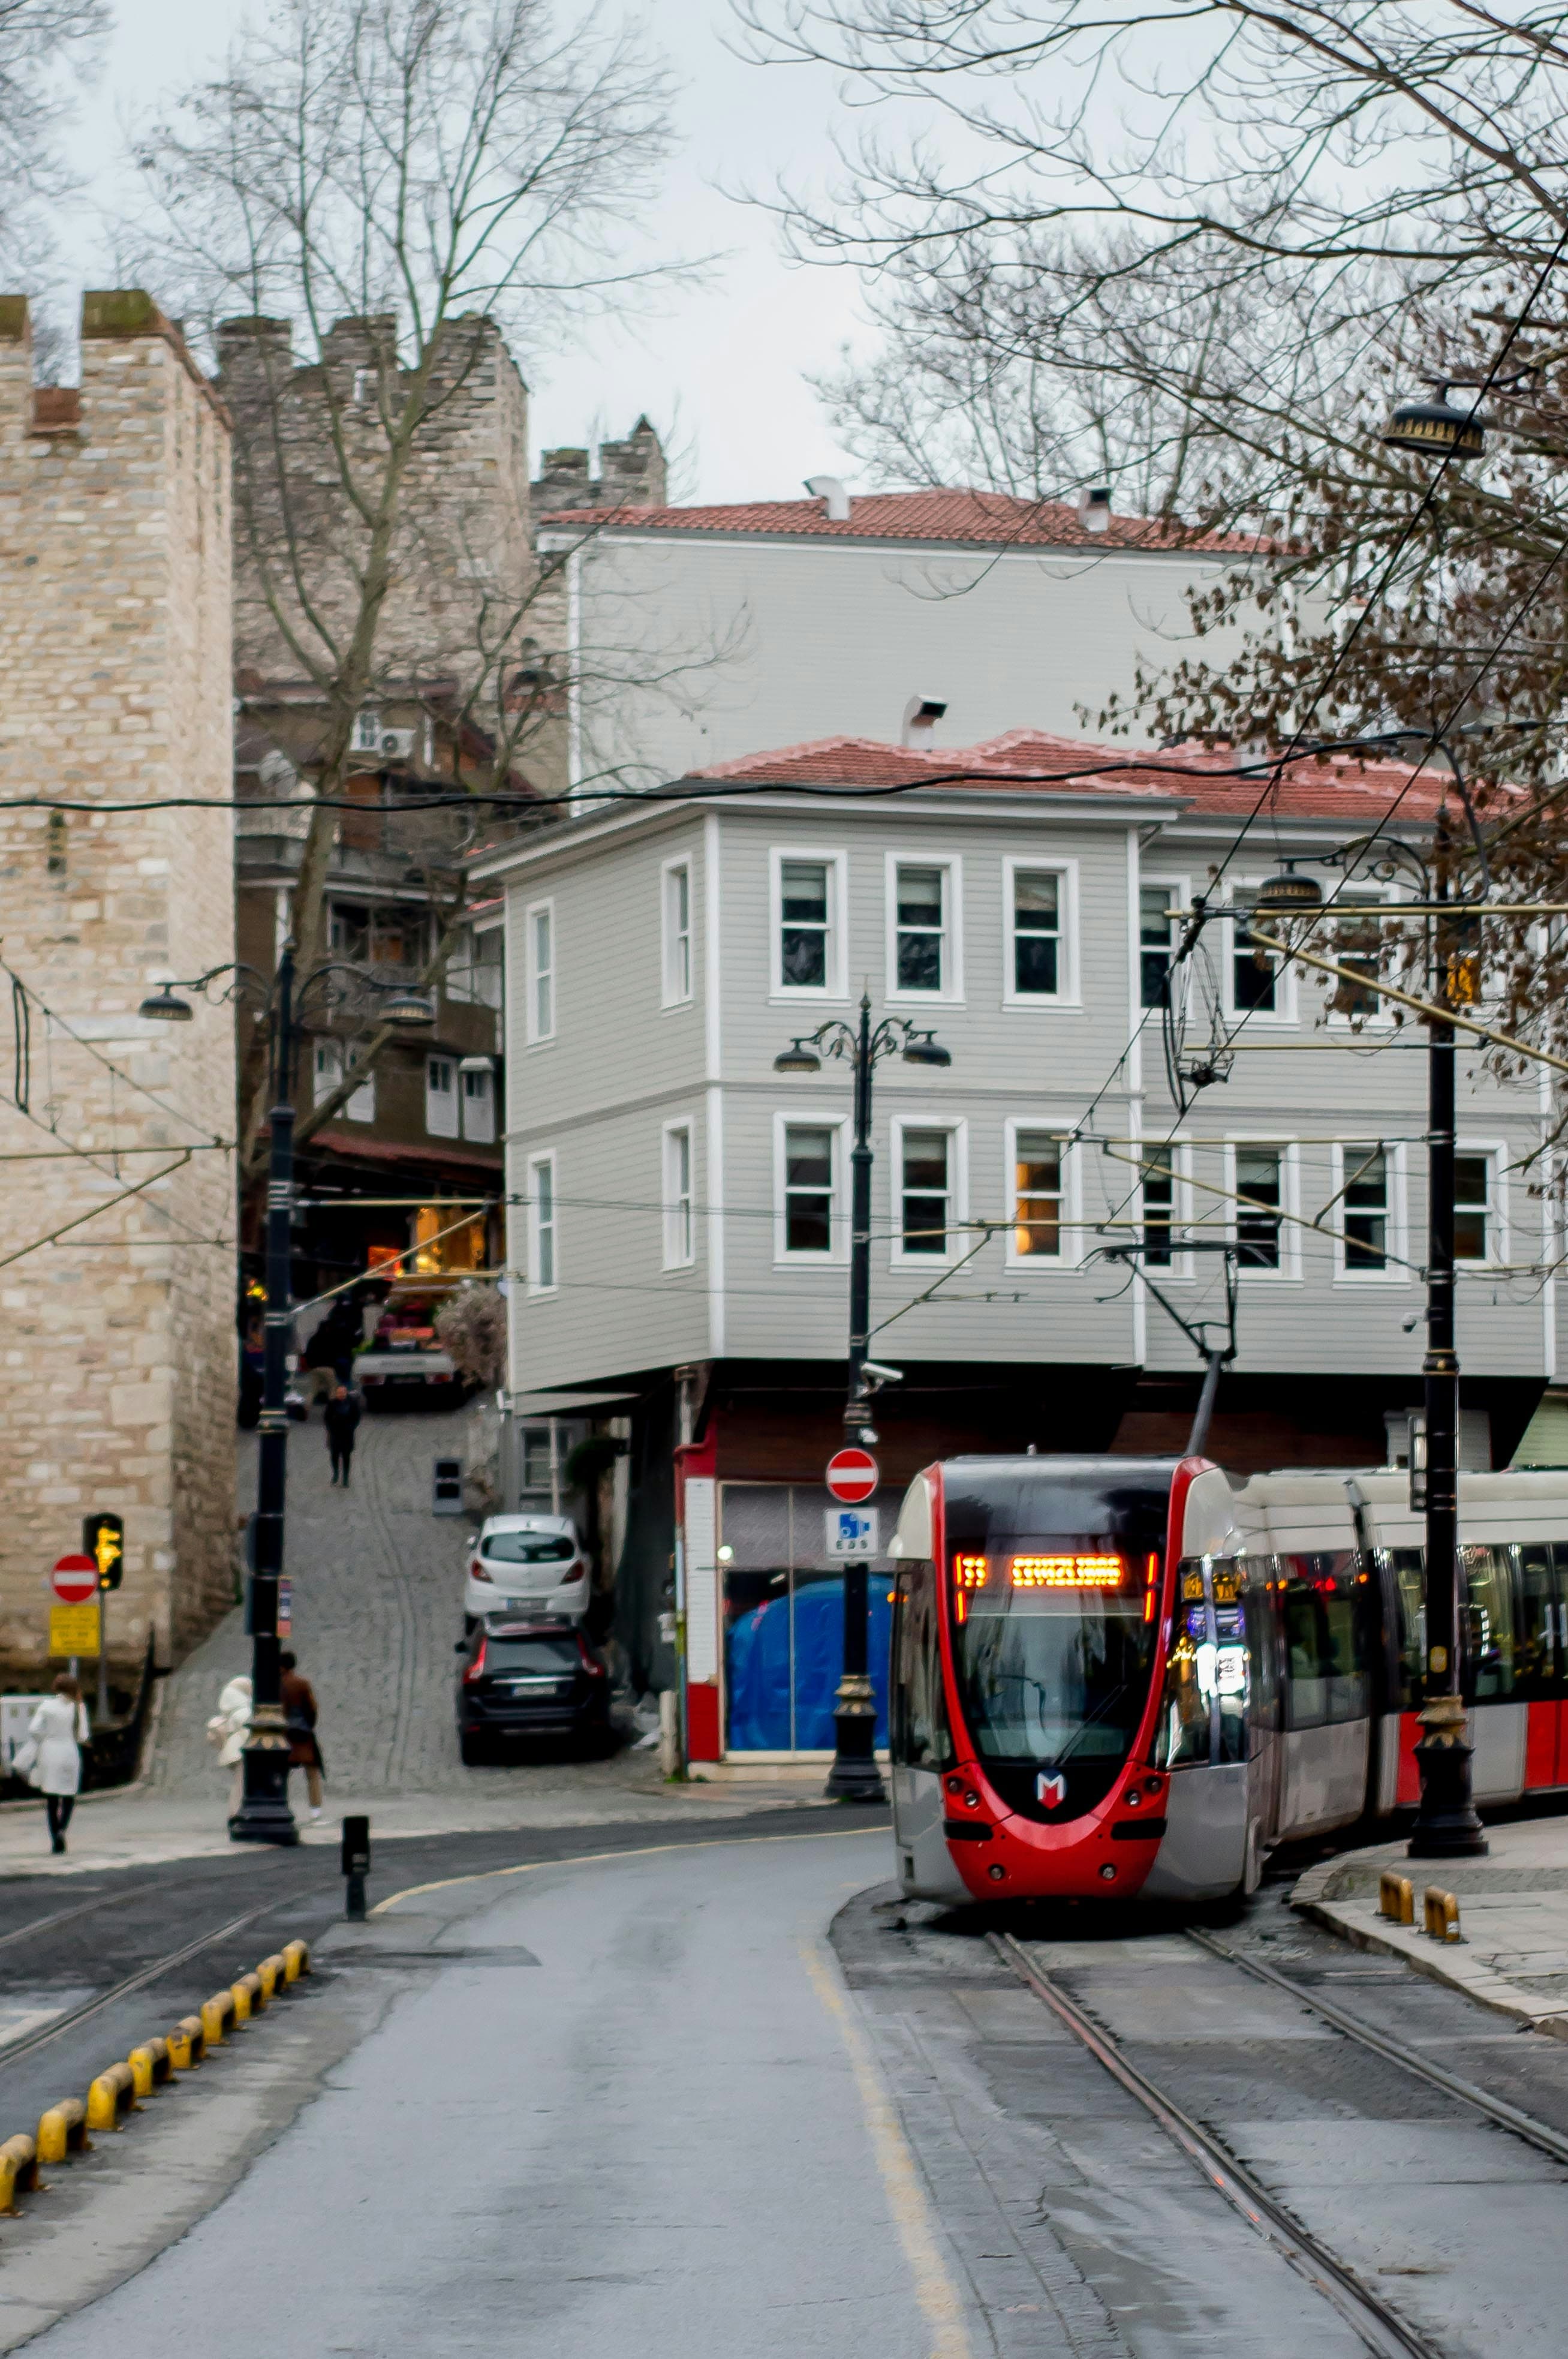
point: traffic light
(103, 1539)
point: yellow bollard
(186, 2044)
(248, 1996)
(112, 2094)
(62, 2130)
(271, 1974)
(1442, 1910)
(18, 2167)
(295, 1959)
(217, 2014)
(1396, 1897)
(149, 2066)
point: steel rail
(1497, 2109)
(12, 2050)
(1378, 2327)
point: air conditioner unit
(397, 744)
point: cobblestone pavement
(377, 1610)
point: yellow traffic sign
(73, 1629)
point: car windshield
(527, 1548)
(554, 1655)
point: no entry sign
(75, 1580)
(852, 1475)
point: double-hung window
(1358, 943)
(440, 1097)
(678, 1243)
(539, 955)
(1256, 987)
(1159, 1192)
(1260, 1202)
(542, 1241)
(808, 1153)
(925, 1179)
(1035, 916)
(923, 930)
(807, 923)
(1475, 1216)
(1155, 903)
(1366, 1206)
(676, 933)
(330, 1067)
(478, 1105)
(1037, 1195)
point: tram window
(919, 1724)
(1410, 1585)
(1303, 1659)
(1539, 1644)
(1184, 1734)
(1325, 1642)
(1490, 1633)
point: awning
(566, 1403)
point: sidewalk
(1513, 1918)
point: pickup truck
(404, 1357)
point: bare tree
(1202, 249)
(44, 44)
(396, 194)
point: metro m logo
(1051, 1788)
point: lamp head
(409, 1010)
(925, 1052)
(798, 1057)
(163, 1008)
(1288, 896)
(1435, 429)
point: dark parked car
(533, 1677)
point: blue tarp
(757, 1668)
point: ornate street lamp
(854, 1777)
(264, 1815)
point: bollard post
(356, 1866)
(1396, 1897)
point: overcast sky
(727, 362)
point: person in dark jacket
(298, 1700)
(341, 1415)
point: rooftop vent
(921, 715)
(1094, 508)
(829, 489)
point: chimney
(921, 715)
(1094, 508)
(828, 489)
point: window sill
(783, 1262)
(1041, 1003)
(810, 994)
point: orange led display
(1067, 1571)
(969, 1571)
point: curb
(118, 2091)
(1436, 1959)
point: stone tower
(118, 1337)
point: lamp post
(854, 1777)
(264, 1815)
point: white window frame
(951, 867)
(330, 1058)
(482, 1134)
(794, 994)
(1067, 991)
(536, 1163)
(1181, 891)
(1290, 1270)
(1342, 1166)
(1071, 1254)
(957, 1130)
(1497, 1239)
(676, 947)
(536, 1034)
(454, 1127)
(1179, 1268)
(679, 1207)
(1366, 897)
(813, 1117)
(1284, 1015)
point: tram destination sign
(852, 1475)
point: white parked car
(534, 1562)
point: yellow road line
(933, 2287)
(644, 1851)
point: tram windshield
(1053, 1622)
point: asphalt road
(716, 2094)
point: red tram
(1119, 1675)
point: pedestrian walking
(56, 1732)
(227, 1729)
(341, 1417)
(299, 1715)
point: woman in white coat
(58, 1730)
(228, 1729)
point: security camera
(881, 1375)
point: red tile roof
(985, 519)
(392, 1150)
(1344, 788)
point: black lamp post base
(264, 1815)
(854, 1777)
(1446, 1825)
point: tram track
(1377, 2326)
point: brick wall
(116, 1343)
